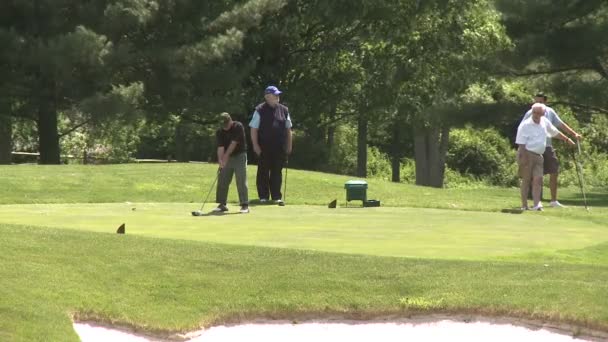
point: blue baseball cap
(272, 90)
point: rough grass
(189, 183)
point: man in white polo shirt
(532, 136)
(551, 163)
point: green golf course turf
(402, 232)
(426, 250)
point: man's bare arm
(255, 141)
(570, 131)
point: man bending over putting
(532, 136)
(232, 157)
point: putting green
(402, 232)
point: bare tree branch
(582, 107)
(547, 71)
(601, 67)
(578, 10)
(202, 122)
(74, 128)
(336, 119)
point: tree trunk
(362, 146)
(48, 136)
(331, 136)
(331, 131)
(182, 148)
(443, 151)
(421, 157)
(430, 148)
(6, 139)
(395, 155)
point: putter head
(197, 213)
(281, 204)
(512, 211)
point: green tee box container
(356, 190)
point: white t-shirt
(534, 135)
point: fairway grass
(424, 251)
(400, 232)
(189, 183)
(163, 286)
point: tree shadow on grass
(594, 199)
(257, 202)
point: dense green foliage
(382, 83)
(484, 154)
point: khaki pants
(531, 171)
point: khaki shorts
(551, 164)
(531, 165)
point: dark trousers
(269, 176)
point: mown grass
(162, 285)
(173, 272)
(388, 231)
(189, 183)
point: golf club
(282, 203)
(512, 211)
(579, 173)
(200, 211)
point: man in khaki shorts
(551, 163)
(532, 136)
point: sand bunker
(440, 330)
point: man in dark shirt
(232, 157)
(272, 142)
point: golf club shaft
(217, 175)
(579, 173)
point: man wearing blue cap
(272, 143)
